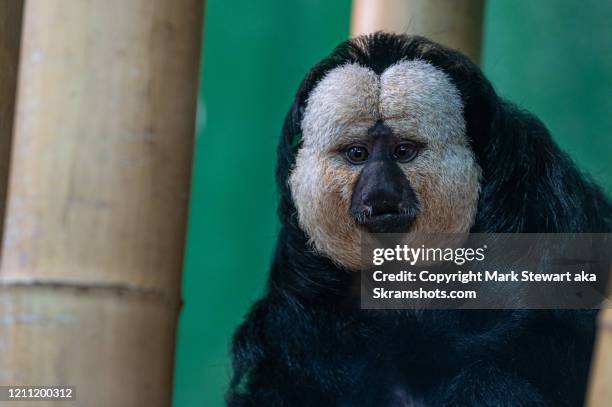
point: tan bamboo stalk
(98, 193)
(455, 23)
(10, 33)
(600, 385)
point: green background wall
(552, 57)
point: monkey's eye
(356, 154)
(405, 152)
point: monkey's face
(383, 154)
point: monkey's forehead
(414, 98)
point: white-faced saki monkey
(393, 133)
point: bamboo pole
(10, 33)
(454, 23)
(600, 382)
(98, 193)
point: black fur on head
(518, 193)
(307, 343)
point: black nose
(382, 200)
(382, 189)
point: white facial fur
(417, 101)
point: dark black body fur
(307, 343)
